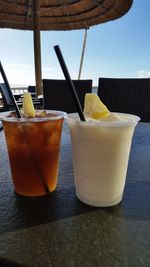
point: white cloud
(19, 74)
(143, 74)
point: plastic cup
(33, 147)
(100, 158)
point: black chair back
(8, 105)
(31, 89)
(57, 94)
(7, 101)
(127, 95)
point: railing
(20, 90)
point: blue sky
(119, 48)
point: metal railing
(19, 90)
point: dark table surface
(58, 230)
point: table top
(58, 230)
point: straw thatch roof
(60, 14)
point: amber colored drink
(33, 147)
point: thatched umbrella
(39, 15)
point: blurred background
(119, 48)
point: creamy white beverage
(101, 151)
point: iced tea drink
(33, 147)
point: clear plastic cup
(100, 158)
(33, 147)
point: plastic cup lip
(57, 115)
(128, 119)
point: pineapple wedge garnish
(28, 107)
(94, 108)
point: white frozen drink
(101, 151)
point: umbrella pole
(82, 54)
(37, 46)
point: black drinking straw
(9, 91)
(70, 83)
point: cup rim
(58, 115)
(132, 119)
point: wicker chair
(8, 105)
(57, 95)
(7, 102)
(129, 95)
(31, 89)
